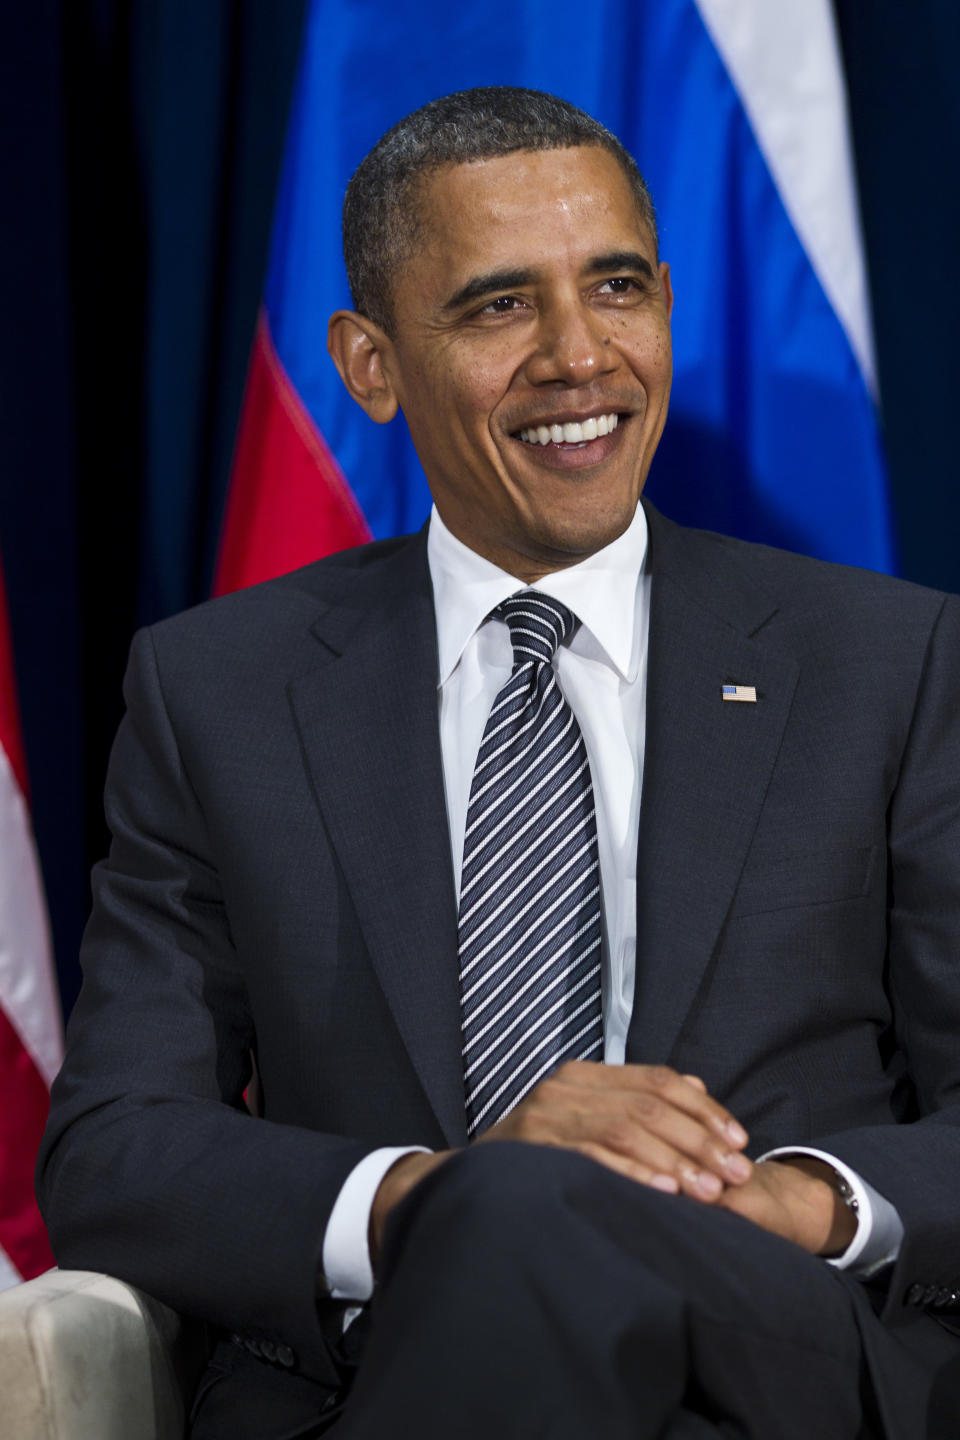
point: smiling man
(528, 345)
(607, 1028)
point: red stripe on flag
(23, 1114)
(10, 738)
(24, 1100)
(289, 502)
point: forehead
(531, 208)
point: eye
(503, 305)
(620, 285)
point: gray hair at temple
(381, 221)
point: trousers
(530, 1292)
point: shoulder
(266, 632)
(815, 601)
(262, 613)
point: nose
(573, 346)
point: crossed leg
(530, 1292)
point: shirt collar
(603, 591)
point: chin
(578, 538)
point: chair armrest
(86, 1357)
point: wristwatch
(845, 1190)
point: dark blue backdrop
(142, 142)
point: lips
(570, 432)
(573, 454)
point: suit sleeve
(916, 1166)
(151, 1168)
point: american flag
(30, 1032)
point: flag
(735, 110)
(288, 501)
(30, 1035)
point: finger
(632, 1169)
(644, 1130)
(627, 1142)
(633, 1120)
(677, 1089)
(697, 1101)
(694, 1099)
(698, 1185)
(704, 1163)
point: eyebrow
(620, 260)
(495, 281)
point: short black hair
(380, 219)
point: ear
(358, 347)
(666, 287)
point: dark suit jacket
(280, 883)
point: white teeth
(574, 432)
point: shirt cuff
(879, 1232)
(346, 1249)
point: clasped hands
(661, 1129)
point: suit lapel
(706, 770)
(367, 718)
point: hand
(795, 1198)
(645, 1121)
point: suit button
(251, 1347)
(286, 1357)
(914, 1295)
(943, 1297)
(930, 1294)
(268, 1350)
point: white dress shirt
(603, 674)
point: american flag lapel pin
(740, 692)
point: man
(375, 825)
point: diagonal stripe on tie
(546, 814)
(557, 938)
(530, 914)
(544, 898)
(503, 1032)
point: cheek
(481, 374)
(473, 395)
(651, 360)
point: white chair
(85, 1357)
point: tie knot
(538, 624)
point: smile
(573, 432)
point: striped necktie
(529, 924)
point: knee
(501, 1198)
(507, 1182)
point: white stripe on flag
(783, 56)
(27, 991)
